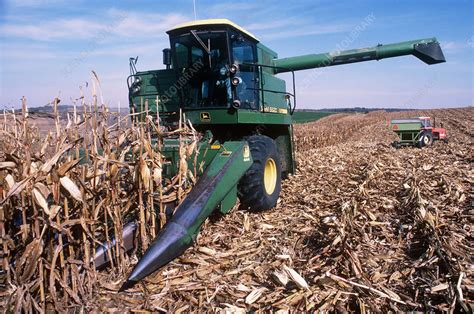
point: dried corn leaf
(7, 165)
(296, 278)
(254, 295)
(10, 181)
(72, 188)
(41, 201)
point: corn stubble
(359, 227)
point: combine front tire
(260, 187)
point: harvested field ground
(398, 222)
(360, 226)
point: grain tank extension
(224, 80)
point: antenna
(194, 6)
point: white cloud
(64, 28)
(307, 31)
(133, 23)
(454, 46)
(34, 3)
(275, 24)
(115, 24)
(26, 52)
(141, 49)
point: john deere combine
(224, 80)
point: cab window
(181, 55)
(243, 52)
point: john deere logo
(205, 116)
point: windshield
(202, 64)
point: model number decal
(275, 110)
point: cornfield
(359, 227)
(72, 191)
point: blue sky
(49, 47)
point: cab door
(244, 55)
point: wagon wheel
(427, 139)
(260, 187)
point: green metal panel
(156, 86)
(228, 201)
(408, 130)
(409, 137)
(266, 56)
(274, 91)
(211, 116)
(255, 117)
(205, 154)
(286, 150)
(233, 158)
(406, 125)
(241, 116)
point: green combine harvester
(224, 80)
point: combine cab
(417, 132)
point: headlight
(236, 81)
(236, 104)
(234, 68)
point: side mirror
(167, 57)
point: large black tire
(426, 139)
(260, 186)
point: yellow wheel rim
(270, 176)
